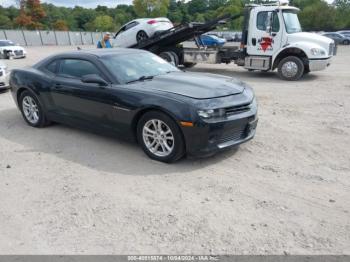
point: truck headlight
(317, 51)
(211, 113)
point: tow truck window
(275, 22)
(291, 21)
(262, 21)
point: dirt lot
(66, 191)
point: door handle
(254, 41)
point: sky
(84, 3)
(72, 3)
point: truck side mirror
(269, 22)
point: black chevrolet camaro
(137, 94)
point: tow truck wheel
(290, 68)
(176, 58)
(169, 57)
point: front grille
(18, 52)
(234, 134)
(237, 109)
(331, 49)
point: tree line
(32, 14)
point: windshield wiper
(142, 78)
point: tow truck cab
(273, 38)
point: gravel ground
(67, 191)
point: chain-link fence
(42, 37)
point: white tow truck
(272, 38)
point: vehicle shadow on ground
(102, 153)
(245, 75)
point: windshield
(291, 21)
(131, 67)
(6, 43)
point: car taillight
(151, 22)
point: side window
(131, 25)
(52, 67)
(77, 68)
(261, 20)
(275, 22)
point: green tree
(318, 16)
(151, 8)
(104, 23)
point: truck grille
(18, 52)
(332, 49)
(234, 134)
(237, 109)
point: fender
(301, 49)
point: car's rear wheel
(141, 36)
(32, 110)
(291, 68)
(160, 137)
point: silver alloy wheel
(158, 137)
(289, 69)
(30, 110)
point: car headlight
(211, 113)
(317, 51)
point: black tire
(346, 42)
(141, 36)
(176, 58)
(291, 76)
(306, 70)
(178, 145)
(169, 57)
(42, 120)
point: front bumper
(4, 81)
(319, 64)
(206, 139)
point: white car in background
(9, 50)
(4, 84)
(139, 29)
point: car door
(85, 102)
(129, 34)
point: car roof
(103, 52)
(85, 53)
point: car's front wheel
(160, 137)
(31, 110)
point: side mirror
(94, 79)
(269, 22)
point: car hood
(12, 47)
(194, 85)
